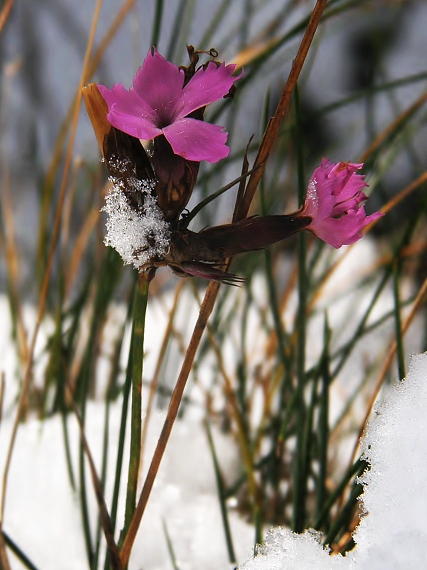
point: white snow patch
(137, 235)
(393, 533)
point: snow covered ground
(42, 513)
(393, 533)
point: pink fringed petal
(126, 101)
(205, 87)
(133, 125)
(158, 103)
(159, 83)
(335, 203)
(196, 140)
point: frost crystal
(137, 233)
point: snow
(393, 532)
(43, 515)
(42, 512)
(139, 234)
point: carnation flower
(334, 202)
(161, 102)
(144, 205)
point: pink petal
(334, 201)
(133, 125)
(339, 231)
(126, 101)
(205, 87)
(159, 83)
(196, 140)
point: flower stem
(205, 311)
(138, 329)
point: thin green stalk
(64, 417)
(174, 38)
(400, 351)
(342, 521)
(121, 443)
(242, 373)
(222, 497)
(84, 504)
(184, 18)
(323, 423)
(108, 277)
(346, 101)
(103, 476)
(18, 552)
(300, 480)
(138, 329)
(300, 472)
(212, 197)
(275, 309)
(356, 469)
(205, 312)
(170, 546)
(215, 22)
(286, 419)
(157, 23)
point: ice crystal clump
(138, 234)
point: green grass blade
(170, 546)
(157, 23)
(300, 469)
(400, 352)
(138, 332)
(22, 557)
(221, 497)
(323, 422)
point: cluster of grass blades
(276, 407)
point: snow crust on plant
(392, 534)
(138, 235)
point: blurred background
(367, 66)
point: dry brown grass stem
(393, 127)
(10, 251)
(231, 398)
(282, 107)
(155, 381)
(111, 32)
(5, 12)
(171, 415)
(393, 202)
(79, 248)
(419, 301)
(4, 561)
(62, 135)
(11, 257)
(53, 243)
(104, 516)
(241, 212)
(247, 454)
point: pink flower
(334, 202)
(159, 103)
